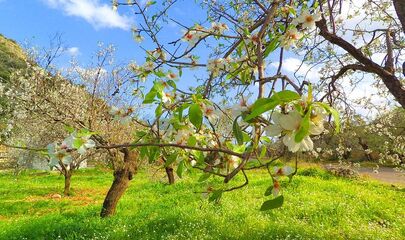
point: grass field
(317, 206)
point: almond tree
(237, 87)
(44, 106)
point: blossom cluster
(215, 66)
(306, 21)
(74, 142)
(123, 116)
(289, 124)
(193, 35)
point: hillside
(11, 57)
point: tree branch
(390, 80)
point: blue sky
(82, 23)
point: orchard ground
(317, 206)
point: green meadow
(317, 206)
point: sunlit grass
(317, 206)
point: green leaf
(150, 97)
(199, 156)
(263, 151)
(204, 177)
(153, 153)
(143, 152)
(77, 143)
(150, 3)
(271, 47)
(170, 159)
(140, 134)
(310, 95)
(237, 131)
(180, 169)
(172, 84)
(263, 105)
(159, 73)
(286, 96)
(158, 110)
(69, 129)
(273, 203)
(215, 196)
(260, 106)
(269, 190)
(304, 127)
(245, 76)
(159, 88)
(246, 137)
(265, 139)
(192, 141)
(195, 115)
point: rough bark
(388, 77)
(170, 175)
(68, 177)
(122, 176)
(400, 10)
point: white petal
(287, 170)
(90, 144)
(289, 141)
(309, 25)
(276, 117)
(291, 121)
(317, 16)
(67, 159)
(82, 150)
(315, 129)
(273, 130)
(53, 162)
(306, 144)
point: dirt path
(385, 174)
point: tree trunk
(170, 175)
(122, 176)
(68, 177)
(365, 148)
(400, 10)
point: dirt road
(385, 174)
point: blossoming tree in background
(44, 107)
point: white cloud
(73, 51)
(292, 65)
(99, 15)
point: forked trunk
(170, 175)
(122, 176)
